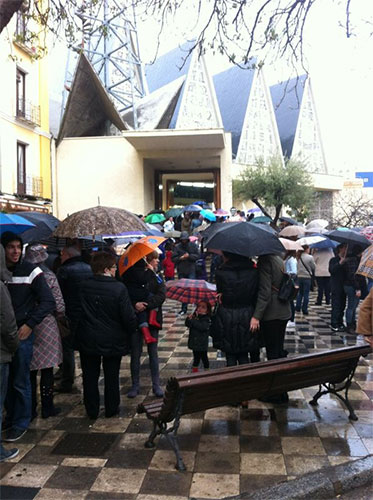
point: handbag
(63, 326)
(288, 289)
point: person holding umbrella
(353, 284)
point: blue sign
(367, 178)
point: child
(168, 265)
(199, 325)
(135, 280)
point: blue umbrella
(192, 208)
(322, 245)
(208, 214)
(14, 223)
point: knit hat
(36, 254)
(184, 235)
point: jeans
(4, 373)
(18, 399)
(91, 367)
(323, 287)
(338, 307)
(190, 276)
(303, 294)
(352, 303)
(136, 350)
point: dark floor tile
(74, 424)
(260, 444)
(33, 436)
(292, 429)
(221, 427)
(187, 442)
(130, 459)
(17, 493)
(5, 467)
(363, 404)
(78, 478)
(85, 445)
(217, 463)
(140, 425)
(284, 414)
(344, 447)
(251, 482)
(258, 414)
(42, 455)
(102, 495)
(164, 483)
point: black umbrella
(45, 224)
(244, 238)
(289, 220)
(350, 237)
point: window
(21, 168)
(21, 28)
(21, 92)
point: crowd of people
(85, 305)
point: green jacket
(268, 307)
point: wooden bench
(331, 370)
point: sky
(341, 73)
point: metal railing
(34, 186)
(28, 112)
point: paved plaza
(226, 450)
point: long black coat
(107, 318)
(237, 281)
(199, 328)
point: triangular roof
(233, 88)
(287, 98)
(168, 67)
(88, 106)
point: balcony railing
(28, 112)
(34, 186)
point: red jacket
(168, 265)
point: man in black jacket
(185, 255)
(71, 274)
(32, 301)
(337, 276)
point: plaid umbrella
(191, 291)
(367, 232)
(366, 263)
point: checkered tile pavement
(227, 450)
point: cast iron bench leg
(150, 442)
(172, 439)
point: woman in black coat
(106, 324)
(237, 284)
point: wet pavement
(227, 451)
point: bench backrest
(215, 388)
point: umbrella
(192, 208)
(291, 231)
(310, 240)
(191, 291)
(45, 224)
(244, 238)
(14, 223)
(317, 223)
(155, 218)
(350, 237)
(366, 263)
(289, 220)
(261, 219)
(172, 234)
(290, 245)
(174, 212)
(322, 245)
(208, 214)
(137, 251)
(209, 231)
(98, 221)
(220, 212)
(367, 232)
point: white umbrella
(317, 223)
(290, 245)
(316, 229)
(291, 231)
(310, 240)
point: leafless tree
(352, 209)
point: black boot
(34, 402)
(47, 407)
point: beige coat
(365, 319)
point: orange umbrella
(138, 250)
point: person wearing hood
(32, 301)
(8, 344)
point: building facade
(25, 141)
